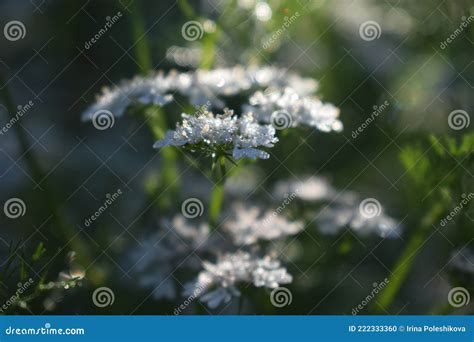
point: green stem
(168, 180)
(408, 256)
(67, 231)
(157, 123)
(142, 46)
(217, 195)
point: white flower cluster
(183, 245)
(211, 133)
(343, 209)
(158, 256)
(308, 188)
(301, 110)
(250, 224)
(219, 282)
(199, 86)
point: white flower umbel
(178, 244)
(200, 87)
(222, 134)
(150, 90)
(345, 211)
(218, 283)
(249, 224)
(307, 188)
(294, 109)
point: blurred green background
(408, 157)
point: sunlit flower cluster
(301, 110)
(222, 133)
(198, 86)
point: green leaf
(40, 249)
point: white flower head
(221, 134)
(218, 283)
(308, 188)
(249, 224)
(158, 256)
(345, 212)
(302, 110)
(200, 87)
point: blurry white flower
(249, 224)
(158, 256)
(346, 213)
(222, 133)
(303, 110)
(147, 90)
(220, 280)
(309, 188)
